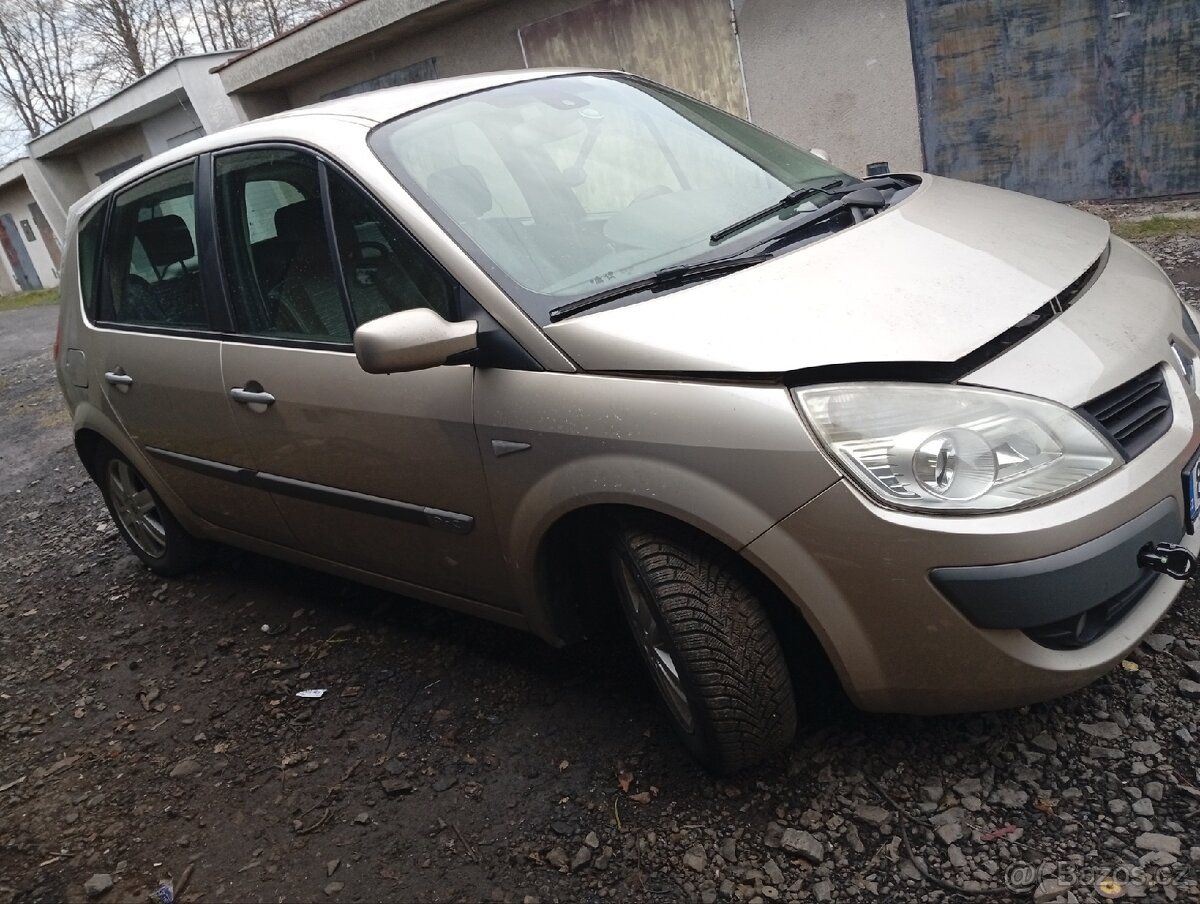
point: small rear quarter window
(91, 230)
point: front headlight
(954, 449)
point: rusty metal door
(14, 248)
(1067, 99)
(686, 44)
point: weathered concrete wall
(835, 74)
(483, 41)
(56, 182)
(212, 107)
(110, 149)
(688, 45)
(137, 120)
(161, 128)
(1067, 99)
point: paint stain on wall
(1066, 99)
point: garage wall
(15, 201)
(161, 129)
(835, 74)
(1066, 99)
(111, 149)
(687, 44)
(642, 36)
(483, 41)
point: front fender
(730, 460)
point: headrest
(460, 191)
(301, 221)
(166, 240)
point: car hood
(930, 280)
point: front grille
(1087, 627)
(1134, 414)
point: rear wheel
(142, 520)
(708, 644)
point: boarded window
(108, 172)
(417, 72)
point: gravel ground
(152, 732)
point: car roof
(362, 110)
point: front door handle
(118, 377)
(250, 397)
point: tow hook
(1170, 559)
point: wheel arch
(573, 582)
(93, 431)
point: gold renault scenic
(546, 345)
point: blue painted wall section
(1066, 99)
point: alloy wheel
(652, 643)
(136, 509)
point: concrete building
(177, 102)
(31, 248)
(827, 73)
(1067, 99)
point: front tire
(145, 523)
(708, 643)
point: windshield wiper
(666, 278)
(791, 199)
(867, 196)
(854, 193)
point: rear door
(379, 472)
(156, 355)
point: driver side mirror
(411, 340)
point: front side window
(569, 186)
(150, 263)
(385, 271)
(286, 279)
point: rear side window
(91, 230)
(151, 267)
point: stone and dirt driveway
(151, 731)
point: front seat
(463, 194)
(308, 299)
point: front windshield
(565, 187)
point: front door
(382, 473)
(158, 362)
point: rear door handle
(118, 378)
(250, 397)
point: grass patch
(1156, 227)
(28, 299)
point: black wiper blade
(860, 197)
(789, 200)
(665, 278)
